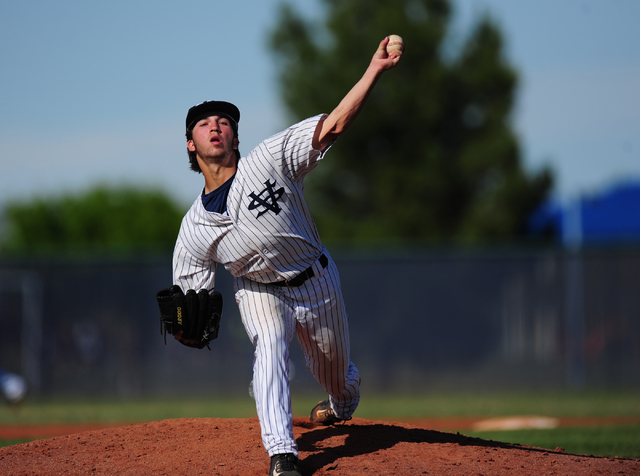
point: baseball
(395, 44)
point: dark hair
(193, 156)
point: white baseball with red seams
(396, 43)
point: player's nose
(214, 125)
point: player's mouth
(215, 140)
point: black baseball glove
(193, 318)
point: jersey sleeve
(190, 272)
(293, 147)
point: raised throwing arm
(346, 112)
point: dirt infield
(210, 446)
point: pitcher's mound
(210, 446)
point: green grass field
(622, 441)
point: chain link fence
(419, 321)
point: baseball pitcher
(252, 218)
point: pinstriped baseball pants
(315, 313)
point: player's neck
(216, 174)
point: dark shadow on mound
(366, 439)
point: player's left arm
(346, 112)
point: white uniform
(268, 235)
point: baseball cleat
(322, 414)
(284, 465)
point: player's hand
(382, 59)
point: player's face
(213, 139)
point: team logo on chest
(268, 199)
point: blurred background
(484, 210)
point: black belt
(302, 277)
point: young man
(253, 219)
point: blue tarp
(612, 216)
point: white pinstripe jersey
(269, 234)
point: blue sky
(96, 92)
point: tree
(112, 220)
(433, 155)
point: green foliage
(111, 220)
(433, 155)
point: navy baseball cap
(213, 108)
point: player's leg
(323, 332)
(270, 325)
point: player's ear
(191, 146)
(236, 143)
